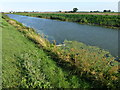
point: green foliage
(0, 52)
(112, 21)
(27, 66)
(32, 77)
(72, 65)
(93, 63)
(75, 9)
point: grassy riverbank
(110, 21)
(27, 66)
(29, 60)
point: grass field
(81, 13)
(31, 61)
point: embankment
(75, 59)
(109, 21)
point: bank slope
(72, 62)
(27, 66)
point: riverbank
(108, 21)
(27, 65)
(90, 63)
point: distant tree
(75, 9)
(107, 11)
(96, 11)
(70, 11)
(60, 11)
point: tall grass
(90, 62)
(93, 63)
(112, 21)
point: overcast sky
(56, 5)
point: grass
(0, 54)
(27, 66)
(110, 21)
(76, 63)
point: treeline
(112, 21)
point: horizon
(51, 5)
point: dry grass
(30, 33)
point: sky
(56, 5)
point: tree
(107, 11)
(75, 9)
(60, 11)
(104, 11)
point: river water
(104, 38)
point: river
(101, 37)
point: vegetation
(27, 66)
(75, 9)
(107, 11)
(0, 54)
(71, 65)
(111, 21)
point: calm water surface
(59, 30)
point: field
(30, 61)
(81, 13)
(110, 20)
